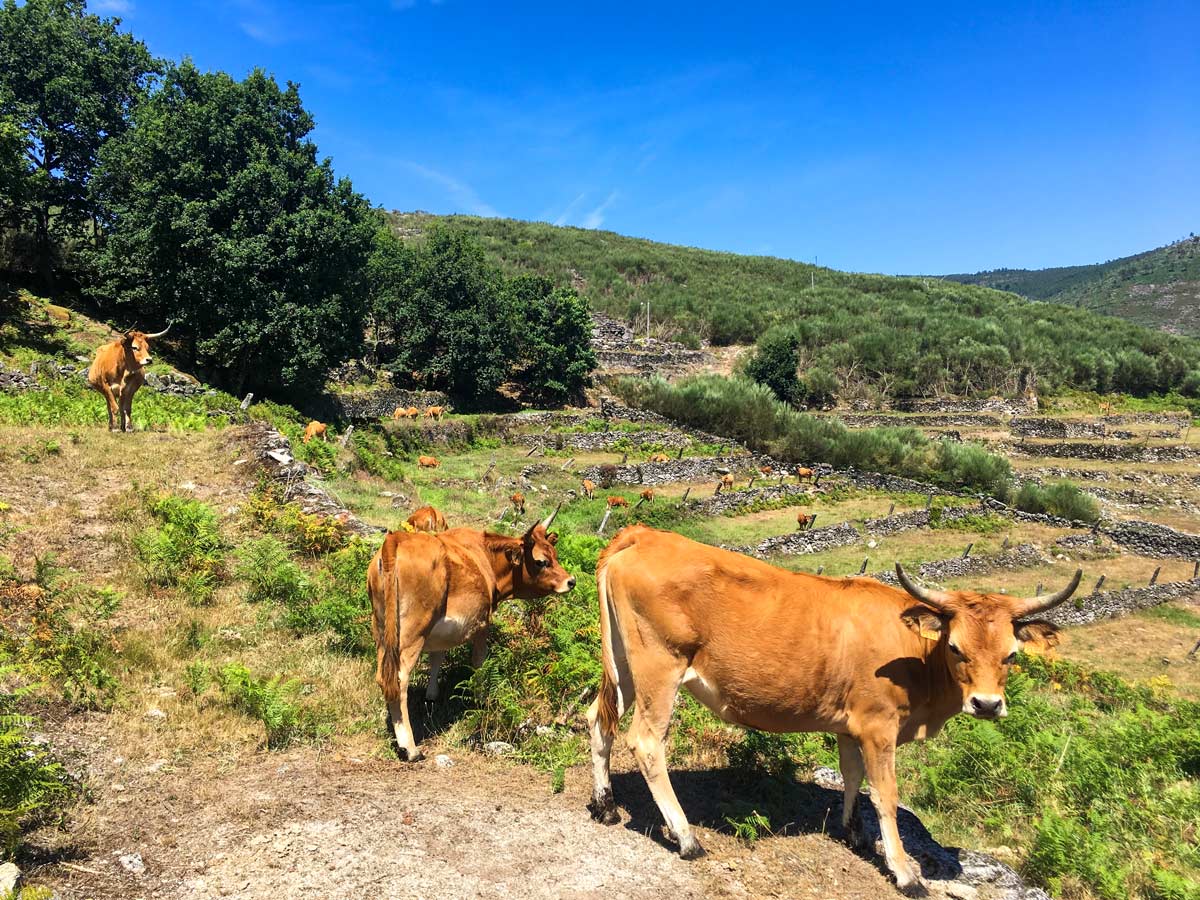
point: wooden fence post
(891, 509)
(564, 466)
(346, 436)
(863, 569)
(687, 490)
(604, 521)
(624, 459)
(1038, 590)
(1004, 546)
(718, 490)
(639, 473)
(751, 484)
(1196, 570)
(967, 552)
(1099, 584)
(679, 455)
(928, 502)
(820, 569)
(532, 450)
(247, 400)
(812, 521)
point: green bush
(271, 574)
(1058, 498)
(185, 550)
(270, 701)
(33, 784)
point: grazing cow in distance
(118, 371)
(433, 592)
(434, 412)
(518, 502)
(315, 429)
(647, 495)
(766, 471)
(589, 488)
(803, 472)
(727, 481)
(614, 501)
(427, 462)
(399, 413)
(412, 413)
(427, 519)
(803, 521)
(786, 652)
(660, 457)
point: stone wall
(692, 468)
(1084, 608)
(16, 381)
(381, 403)
(922, 420)
(800, 542)
(605, 440)
(1000, 405)
(1117, 452)
(1046, 427)
(731, 502)
(1023, 556)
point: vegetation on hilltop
(871, 334)
(163, 193)
(1159, 288)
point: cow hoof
(915, 888)
(603, 809)
(690, 849)
(412, 756)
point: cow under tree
(118, 371)
(786, 652)
(433, 592)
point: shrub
(185, 550)
(270, 573)
(33, 784)
(1059, 498)
(269, 701)
(307, 532)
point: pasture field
(191, 674)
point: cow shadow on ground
(719, 798)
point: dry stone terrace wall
(998, 405)
(273, 453)
(687, 469)
(606, 440)
(733, 502)
(381, 403)
(921, 420)
(1023, 556)
(1045, 427)
(1159, 479)
(1113, 452)
(1083, 608)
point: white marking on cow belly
(707, 693)
(446, 634)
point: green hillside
(876, 333)
(1159, 288)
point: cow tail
(391, 631)
(608, 711)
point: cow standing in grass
(518, 502)
(427, 518)
(428, 462)
(789, 652)
(434, 592)
(589, 488)
(118, 371)
(315, 429)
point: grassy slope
(1159, 288)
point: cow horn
(1033, 605)
(550, 519)
(159, 334)
(936, 599)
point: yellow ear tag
(929, 635)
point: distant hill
(878, 335)
(1158, 289)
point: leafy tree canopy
(219, 216)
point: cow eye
(954, 649)
(1010, 659)
(541, 563)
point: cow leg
(851, 763)
(880, 759)
(479, 648)
(436, 658)
(647, 738)
(602, 806)
(398, 709)
(127, 410)
(113, 410)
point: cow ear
(1037, 634)
(127, 338)
(924, 621)
(515, 555)
(552, 537)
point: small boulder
(9, 876)
(443, 761)
(499, 748)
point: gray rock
(499, 748)
(9, 876)
(130, 862)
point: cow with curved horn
(119, 370)
(783, 651)
(433, 592)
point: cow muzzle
(566, 585)
(986, 706)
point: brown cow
(766, 471)
(660, 457)
(518, 502)
(647, 495)
(615, 501)
(727, 482)
(428, 462)
(434, 412)
(434, 592)
(803, 520)
(399, 413)
(427, 519)
(118, 371)
(413, 413)
(315, 429)
(781, 651)
(589, 488)
(803, 472)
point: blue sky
(906, 137)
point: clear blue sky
(907, 137)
